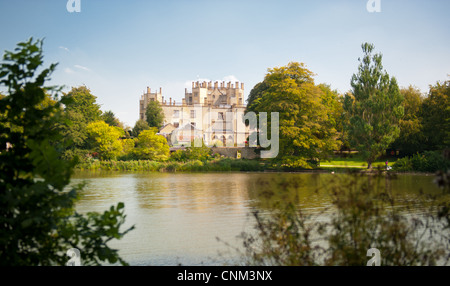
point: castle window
(192, 113)
(195, 94)
(176, 124)
(176, 114)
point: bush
(426, 162)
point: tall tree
(37, 209)
(154, 114)
(307, 123)
(436, 117)
(375, 109)
(80, 109)
(410, 140)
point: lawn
(354, 161)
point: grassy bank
(218, 165)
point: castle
(213, 112)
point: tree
(104, 139)
(375, 108)
(80, 109)
(110, 118)
(255, 94)
(81, 101)
(140, 126)
(154, 114)
(307, 121)
(436, 117)
(410, 140)
(151, 146)
(37, 215)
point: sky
(118, 48)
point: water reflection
(178, 216)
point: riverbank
(221, 165)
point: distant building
(213, 112)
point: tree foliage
(104, 139)
(140, 126)
(154, 114)
(374, 107)
(308, 113)
(37, 216)
(436, 117)
(151, 146)
(411, 137)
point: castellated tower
(211, 109)
(205, 93)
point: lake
(179, 216)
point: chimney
(216, 84)
(242, 85)
(193, 84)
(160, 90)
(148, 89)
(237, 84)
(170, 101)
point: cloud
(82, 68)
(64, 48)
(69, 71)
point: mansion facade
(211, 111)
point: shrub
(429, 161)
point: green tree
(255, 95)
(80, 109)
(104, 139)
(154, 114)
(307, 114)
(151, 146)
(436, 117)
(375, 108)
(37, 216)
(140, 126)
(410, 140)
(110, 118)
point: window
(190, 99)
(195, 94)
(176, 114)
(193, 124)
(220, 117)
(176, 124)
(192, 113)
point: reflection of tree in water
(362, 211)
(192, 191)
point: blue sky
(118, 48)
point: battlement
(223, 85)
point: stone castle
(211, 111)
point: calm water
(178, 217)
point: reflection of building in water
(210, 111)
